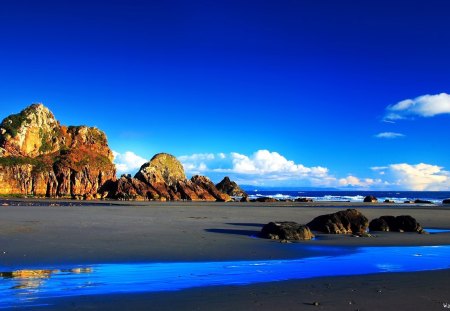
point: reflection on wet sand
(22, 288)
(33, 279)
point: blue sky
(295, 93)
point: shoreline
(100, 232)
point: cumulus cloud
(261, 167)
(265, 162)
(200, 163)
(353, 181)
(128, 162)
(420, 177)
(389, 135)
(422, 106)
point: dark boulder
(286, 230)
(304, 200)
(378, 224)
(389, 201)
(446, 201)
(422, 202)
(370, 199)
(408, 224)
(391, 222)
(349, 221)
(404, 223)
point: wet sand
(48, 236)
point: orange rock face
(163, 178)
(40, 157)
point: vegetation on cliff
(38, 156)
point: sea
(353, 196)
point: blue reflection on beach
(157, 277)
(433, 231)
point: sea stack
(40, 157)
(163, 178)
(231, 188)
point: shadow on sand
(235, 231)
(245, 224)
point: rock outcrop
(446, 201)
(370, 199)
(350, 221)
(403, 223)
(286, 230)
(231, 188)
(40, 157)
(163, 178)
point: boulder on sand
(286, 230)
(350, 221)
(404, 223)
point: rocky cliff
(163, 178)
(40, 157)
(231, 188)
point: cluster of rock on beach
(350, 221)
(41, 157)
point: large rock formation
(350, 221)
(404, 223)
(40, 157)
(163, 178)
(231, 188)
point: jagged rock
(40, 157)
(127, 188)
(370, 199)
(286, 230)
(446, 201)
(349, 221)
(403, 223)
(230, 187)
(205, 183)
(245, 199)
(163, 178)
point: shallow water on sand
(34, 287)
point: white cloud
(420, 177)
(128, 162)
(197, 157)
(389, 135)
(199, 163)
(361, 183)
(272, 169)
(379, 168)
(262, 167)
(423, 106)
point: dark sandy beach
(52, 233)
